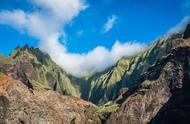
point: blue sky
(141, 20)
(74, 32)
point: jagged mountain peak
(31, 53)
(31, 64)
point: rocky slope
(20, 106)
(163, 94)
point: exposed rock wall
(163, 95)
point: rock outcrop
(19, 106)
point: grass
(5, 60)
(106, 108)
(39, 86)
(9, 60)
(1, 74)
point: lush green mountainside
(105, 86)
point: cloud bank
(110, 23)
(47, 22)
(96, 60)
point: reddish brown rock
(19, 106)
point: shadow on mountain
(177, 109)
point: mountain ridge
(151, 87)
(98, 88)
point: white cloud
(16, 18)
(180, 26)
(61, 10)
(110, 23)
(49, 17)
(94, 61)
(47, 23)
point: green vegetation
(5, 60)
(1, 74)
(39, 86)
(126, 72)
(107, 108)
(43, 72)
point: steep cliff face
(162, 96)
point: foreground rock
(20, 106)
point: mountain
(37, 67)
(150, 87)
(162, 95)
(126, 73)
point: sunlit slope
(44, 74)
(105, 86)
